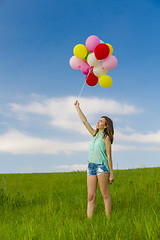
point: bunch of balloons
(94, 59)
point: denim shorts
(96, 169)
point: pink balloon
(92, 42)
(110, 62)
(75, 62)
(85, 68)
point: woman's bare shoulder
(107, 139)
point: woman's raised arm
(84, 119)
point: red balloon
(91, 79)
(101, 51)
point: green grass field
(53, 206)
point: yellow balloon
(111, 48)
(80, 51)
(105, 81)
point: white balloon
(92, 60)
(99, 70)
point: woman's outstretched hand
(76, 104)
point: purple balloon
(85, 68)
(92, 42)
(75, 63)
(110, 62)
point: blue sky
(39, 128)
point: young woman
(100, 161)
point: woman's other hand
(111, 178)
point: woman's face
(101, 124)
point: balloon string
(81, 90)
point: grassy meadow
(53, 206)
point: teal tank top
(97, 150)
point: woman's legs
(104, 187)
(92, 186)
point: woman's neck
(100, 131)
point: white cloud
(125, 147)
(111, 107)
(28, 169)
(120, 147)
(16, 142)
(137, 137)
(69, 168)
(62, 113)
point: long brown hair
(109, 130)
